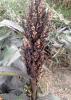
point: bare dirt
(61, 83)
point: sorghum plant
(36, 30)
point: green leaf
(53, 97)
(9, 71)
(14, 97)
(10, 55)
(4, 33)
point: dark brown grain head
(35, 32)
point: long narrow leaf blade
(9, 71)
(11, 24)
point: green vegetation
(61, 8)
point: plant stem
(34, 89)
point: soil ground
(61, 83)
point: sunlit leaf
(9, 71)
(11, 24)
